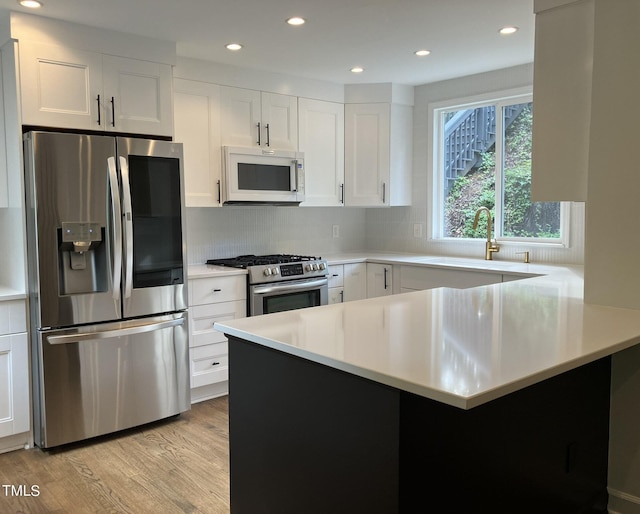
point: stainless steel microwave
(259, 176)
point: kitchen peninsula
(481, 400)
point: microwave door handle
(128, 227)
(116, 214)
(295, 176)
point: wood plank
(172, 466)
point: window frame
(436, 174)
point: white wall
(392, 229)
(238, 230)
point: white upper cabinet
(562, 80)
(138, 96)
(321, 138)
(69, 88)
(258, 119)
(197, 127)
(378, 154)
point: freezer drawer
(103, 378)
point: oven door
(289, 295)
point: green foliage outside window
(522, 217)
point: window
(482, 158)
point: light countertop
(7, 294)
(463, 347)
(209, 271)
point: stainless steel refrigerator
(108, 291)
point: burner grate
(244, 261)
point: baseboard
(15, 442)
(623, 503)
(200, 394)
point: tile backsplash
(229, 231)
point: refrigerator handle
(117, 227)
(118, 332)
(128, 228)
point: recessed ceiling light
(505, 31)
(357, 69)
(422, 53)
(31, 4)
(296, 20)
(233, 46)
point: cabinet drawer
(336, 275)
(219, 289)
(203, 317)
(13, 317)
(209, 364)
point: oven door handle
(291, 286)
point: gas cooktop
(244, 261)
(276, 268)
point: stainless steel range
(281, 282)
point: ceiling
(379, 35)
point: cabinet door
(379, 280)
(562, 107)
(241, 116)
(14, 385)
(60, 87)
(336, 295)
(137, 96)
(355, 281)
(279, 121)
(321, 138)
(197, 127)
(367, 154)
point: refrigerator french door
(108, 295)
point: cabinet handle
(342, 296)
(219, 193)
(385, 278)
(259, 143)
(341, 193)
(113, 111)
(384, 192)
(335, 275)
(99, 118)
(215, 363)
(268, 138)
(216, 290)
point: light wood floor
(175, 466)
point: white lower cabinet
(211, 300)
(336, 283)
(14, 376)
(347, 282)
(379, 279)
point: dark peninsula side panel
(306, 438)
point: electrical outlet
(417, 230)
(336, 231)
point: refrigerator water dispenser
(82, 258)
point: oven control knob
(267, 272)
(275, 271)
(322, 266)
(309, 267)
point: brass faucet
(490, 246)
